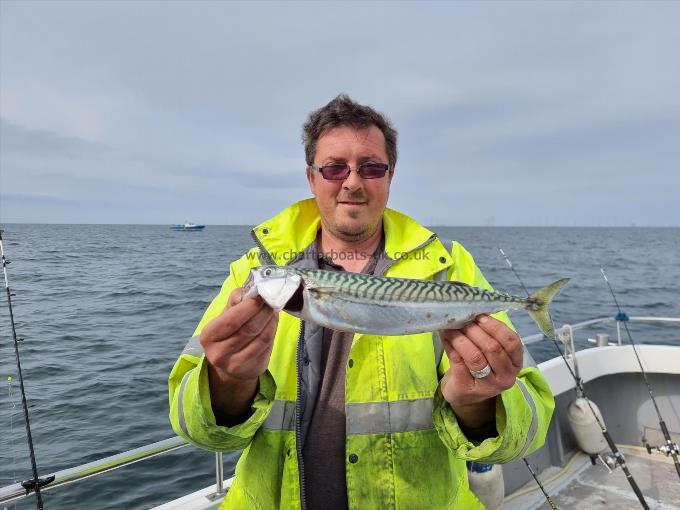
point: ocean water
(106, 309)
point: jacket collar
(293, 230)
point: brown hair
(343, 111)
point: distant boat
(187, 226)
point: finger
(249, 330)
(249, 316)
(446, 341)
(229, 353)
(254, 326)
(238, 296)
(235, 297)
(504, 371)
(508, 338)
(257, 345)
(268, 332)
(493, 350)
(447, 336)
(473, 357)
(459, 370)
(234, 317)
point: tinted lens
(373, 170)
(335, 172)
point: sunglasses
(341, 171)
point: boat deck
(581, 485)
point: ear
(391, 174)
(310, 178)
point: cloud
(199, 105)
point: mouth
(351, 202)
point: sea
(103, 312)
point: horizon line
(167, 225)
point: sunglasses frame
(358, 170)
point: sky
(509, 113)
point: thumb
(235, 297)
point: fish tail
(537, 306)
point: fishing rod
(526, 462)
(670, 448)
(540, 485)
(579, 387)
(36, 482)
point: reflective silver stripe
(534, 418)
(180, 405)
(281, 416)
(194, 347)
(388, 417)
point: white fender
(586, 430)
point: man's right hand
(237, 345)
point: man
(334, 420)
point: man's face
(351, 209)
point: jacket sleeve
(523, 412)
(191, 413)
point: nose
(353, 181)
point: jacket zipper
(300, 392)
(299, 411)
(298, 364)
(270, 260)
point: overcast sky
(509, 113)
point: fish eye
(268, 272)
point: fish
(379, 305)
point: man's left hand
(486, 341)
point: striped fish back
(368, 287)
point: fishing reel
(669, 449)
(608, 460)
(31, 484)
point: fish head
(276, 285)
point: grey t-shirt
(324, 448)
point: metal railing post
(566, 335)
(219, 473)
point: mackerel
(379, 305)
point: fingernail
(481, 319)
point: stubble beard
(357, 233)
(353, 234)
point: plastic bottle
(486, 481)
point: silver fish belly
(363, 303)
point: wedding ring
(481, 374)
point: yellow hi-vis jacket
(404, 447)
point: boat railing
(567, 328)
(17, 491)
(66, 476)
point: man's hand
(486, 341)
(237, 345)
